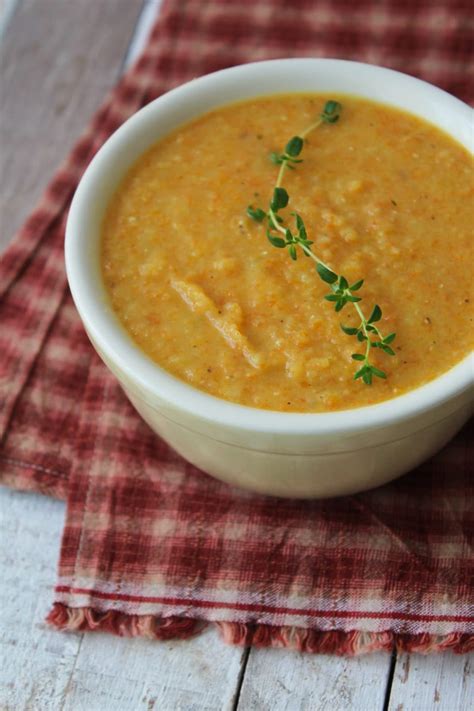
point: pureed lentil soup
(384, 195)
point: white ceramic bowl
(294, 455)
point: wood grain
(36, 661)
(58, 60)
(45, 670)
(196, 674)
(7, 9)
(149, 12)
(277, 680)
(439, 682)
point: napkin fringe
(339, 642)
(83, 619)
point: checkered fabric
(152, 545)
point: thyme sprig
(283, 236)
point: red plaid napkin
(154, 547)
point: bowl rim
(157, 385)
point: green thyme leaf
(276, 241)
(256, 213)
(356, 286)
(349, 330)
(326, 274)
(280, 199)
(301, 228)
(280, 235)
(331, 111)
(276, 158)
(375, 315)
(294, 146)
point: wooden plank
(197, 674)
(36, 661)
(147, 17)
(58, 58)
(7, 9)
(45, 669)
(48, 670)
(280, 680)
(438, 682)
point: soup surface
(384, 196)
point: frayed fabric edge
(336, 642)
(86, 619)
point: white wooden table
(56, 64)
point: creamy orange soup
(385, 197)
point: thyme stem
(341, 292)
(281, 173)
(314, 125)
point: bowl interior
(179, 106)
